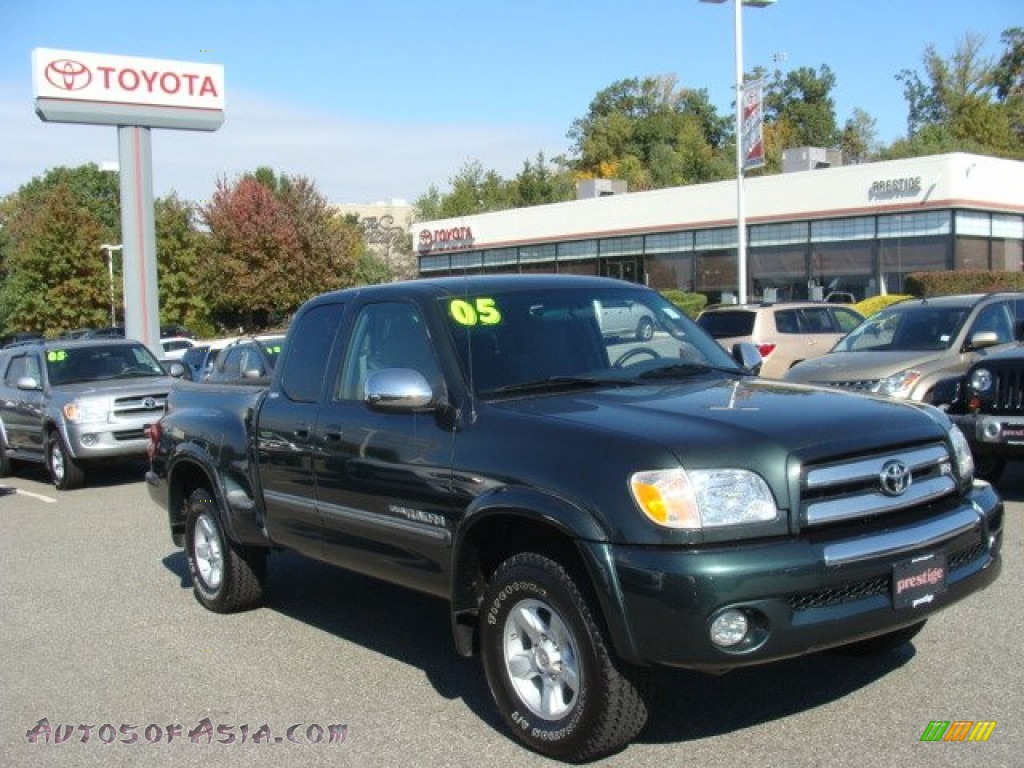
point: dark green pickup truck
(592, 506)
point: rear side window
(724, 325)
(308, 351)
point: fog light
(729, 628)
(992, 430)
(88, 440)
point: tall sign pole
(136, 95)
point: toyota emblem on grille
(149, 403)
(895, 478)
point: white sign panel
(103, 78)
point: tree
(54, 273)
(859, 140)
(954, 106)
(181, 249)
(798, 112)
(274, 242)
(650, 132)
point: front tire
(554, 677)
(645, 329)
(65, 472)
(226, 577)
(6, 466)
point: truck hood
(729, 423)
(115, 387)
(859, 366)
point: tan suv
(908, 348)
(785, 333)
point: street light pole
(109, 249)
(741, 214)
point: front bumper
(801, 594)
(992, 435)
(105, 440)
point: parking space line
(37, 496)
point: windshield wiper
(555, 383)
(690, 369)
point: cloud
(350, 160)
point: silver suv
(907, 348)
(784, 333)
(68, 404)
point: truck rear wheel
(554, 677)
(226, 577)
(65, 472)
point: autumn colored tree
(181, 249)
(273, 243)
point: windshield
(919, 327)
(101, 363)
(610, 335)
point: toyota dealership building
(856, 229)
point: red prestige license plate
(917, 582)
(1013, 433)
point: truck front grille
(1009, 391)
(876, 484)
(140, 405)
(856, 385)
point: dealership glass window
(577, 249)
(778, 234)
(782, 270)
(716, 273)
(858, 228)
(434, 263)
(668, 242)
(587, 267)
(971, 252)
(500, 256)
(534, 253)
(715, 239)
(915, 224)
(1007, 242)
(843, 268)
(973, 223)
(622, 246)
(467, 260)
(1007, 226)
(899, 257)
(670, 271)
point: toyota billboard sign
(74, 86)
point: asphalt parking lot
(101, 636)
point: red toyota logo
(68, 75)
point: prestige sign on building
(79, 87)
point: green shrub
(873, 304)
(963, 281)
(690, 303)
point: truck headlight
(962, 454)
(981, 380)
(897, 385)
(85, 411)
(703, 498)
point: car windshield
(916, 327)
(70, 365)
(523, 341)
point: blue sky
(376, 101)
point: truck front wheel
(226, 577)
(557, 683)
(65, 472)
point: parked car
(909, 347)
(20, 337)
(246, 359)
(785, 333)
(70, 404)
(988, 405)
(199, 359)
(620, 318)
(175, 347)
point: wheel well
(186, 479)
(492, 542)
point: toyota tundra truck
(591, 507)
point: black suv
(988, 406)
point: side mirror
(177, 370)
(398, 389)
(29, 383)
(746, 355)
(983, 339)
(252, 373)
